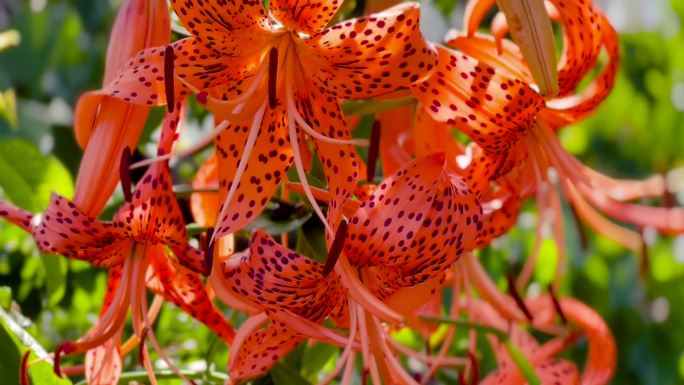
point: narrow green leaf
(284, 375)
(522, 363)
(316, 357)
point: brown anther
(335, 248)
(169, 78)
(208, 252)
(64, 349)
(125, 174)
(645, 260)
(373, 151)
(556, 305)
(475, 379)
(24, 368)
(513, 291)
(272, 77)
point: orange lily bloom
(399, 244)
(489, 96)
(275, 78)
(104, 126)
(143, 246)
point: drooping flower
(104, 126)
(277, 77)
(399, 245)
(143, 246)
(490, 96)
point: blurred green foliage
(54, 51)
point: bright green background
(638, 131)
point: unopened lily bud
(530, 27)
(104, 126)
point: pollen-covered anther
(335, 248)
(272, 77)
(169, 57)
(125, 174)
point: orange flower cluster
(275, 80)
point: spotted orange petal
(369, 56)
(16, 215)
(268, 164)
(276, 278)
(256, 349)
(340, 161)
(64, 229)
(154, 216)
(481, 102)
(217, 21)
(419, 221)
(103, 365)
(304, 16)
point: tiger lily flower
(104, 126)
(490, 97)
(275, 78)
(143, 246)
(399, 244)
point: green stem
(371, 106)
(142, 377)
(184, 190)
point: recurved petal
(153, 214)
(340, 161)
(304, 16)
(572, 108)
(185, 289)
(583, 29)
(473, 96)
(276, 278)
(196, 68)
(16, 215)
(64, 229)
(256, 349)
(386, 224)
(369, 56)
(139, 24)
(396, 138)
(265, 168)
(216, 21)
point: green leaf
(284, 375)
(14, 341)
(55, 277)
(316, 357)
(523, 363)
(28, 177)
